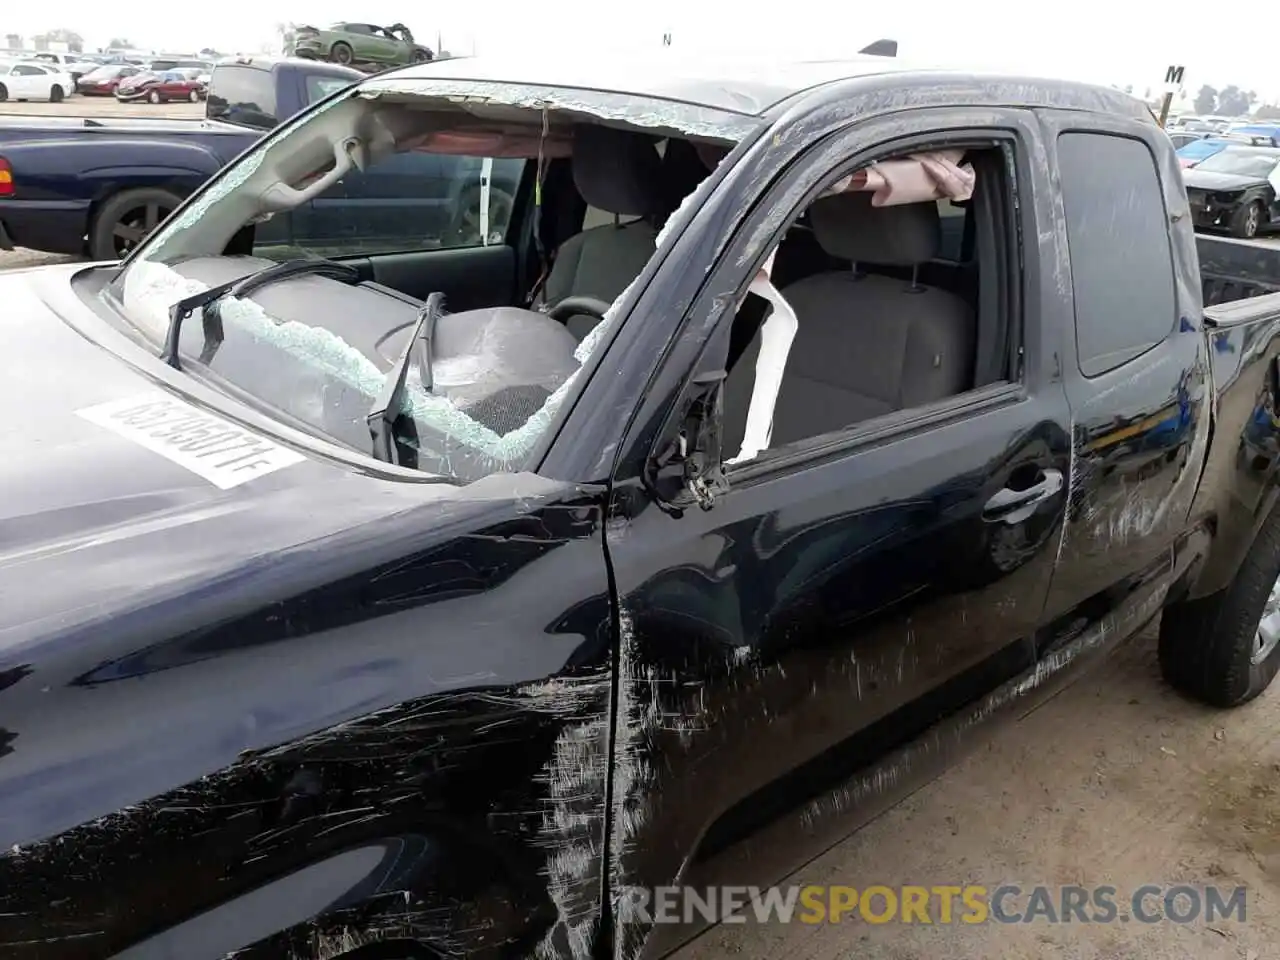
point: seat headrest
(618, 171)
(847, 226)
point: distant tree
(1268, 111)
(73, 40)
(1233, 101)
(209, 52)
(120, 43)
(1128, 88)
(1206, 99)
(284, 32)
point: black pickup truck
(447, 602)
(98, 187)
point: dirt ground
(78, 106)
(1117, 780)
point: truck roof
(749, 87)
(273, 62)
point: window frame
(934, 128)
(1137, 352)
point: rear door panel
(1141, 428)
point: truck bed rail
(1236, 269)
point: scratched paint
(898, 769)
(572, 828)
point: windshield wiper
(206, 300)
(385, 411)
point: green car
(358, 43)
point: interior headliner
(748, 87)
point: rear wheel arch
(1207, 645)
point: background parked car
(348, 43)
(1191, 154)
(99, 189)
(161, 64)
(103, 81)
(1259, 129)
(161, 87)
(72, 63)
(34, 81)
(1236, 189)
(1181, 139)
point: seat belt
(544, 262)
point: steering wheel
(574, 306)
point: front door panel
(825, 612)
(769, 633)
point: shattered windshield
(412, 191)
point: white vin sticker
(224, 454)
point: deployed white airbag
(776, 337)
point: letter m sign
(1173, 75)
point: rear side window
(244, 95)
(1121, 261)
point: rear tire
(4, 93)
(194, 96)
(341, 53)
(126, 219)
(1247, 221)
(154, 96)
(1215, 649)
(56, 94)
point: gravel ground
(102, 107)
(1114, 781)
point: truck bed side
(1241, 289)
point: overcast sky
(1108, 41)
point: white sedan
(34, 81)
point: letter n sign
(1173, 76)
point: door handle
(1014, 506)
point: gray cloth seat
(866, 344)
(619, 172)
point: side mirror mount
(688, 468)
